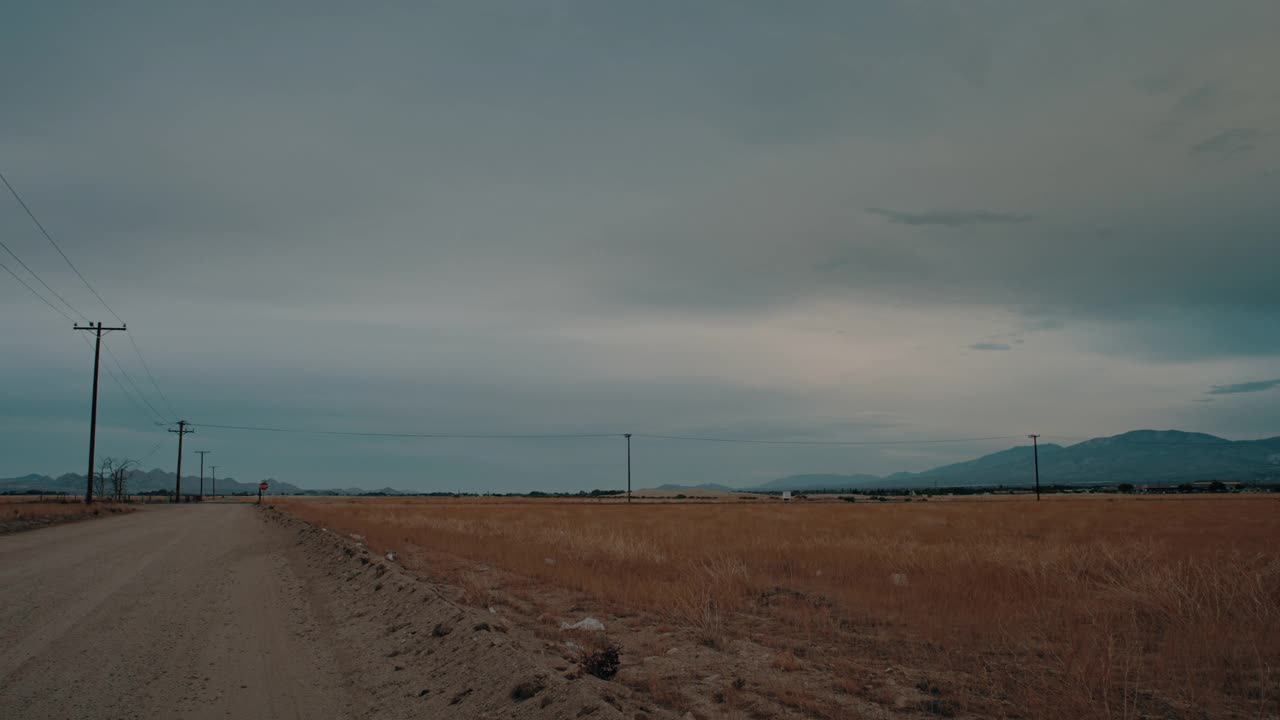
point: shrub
(603, 663)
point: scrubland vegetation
(21, 513)
(1072, 607)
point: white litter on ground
(584, 624)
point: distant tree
(1125, 487)
(1218, 486)
(101, 477)
(120, 479)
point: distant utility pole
(177, 485)
(98, 330)
(214, 470)
(1035, 454)
(202, 453)
(628, 437)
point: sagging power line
(355, 433)
(652, 436)
(49, 237)
(46, 285)
(89, 326)
(42, 298)
(752, 441)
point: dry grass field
(24, 512)
(1071, 607)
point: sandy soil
(213, 612)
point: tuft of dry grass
(786, 661)
(1075, 606)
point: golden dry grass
(16, 514)
(1078, 607)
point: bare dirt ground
(211, 612)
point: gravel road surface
(172, 612)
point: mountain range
(1150, 457)
(158, 480)
(142, 482)
(1140, 457)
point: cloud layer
(1244, 387)
(670, 218)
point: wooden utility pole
(202, 453)
(177, 485)
(628, 436)
(98, 330)
(1035, 454)
(214, 469)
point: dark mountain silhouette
(1140, 457)
(143, 481)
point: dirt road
(183, 612)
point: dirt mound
(420, 653)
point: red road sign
(262, 486)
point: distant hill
(705, 486)
(1140, 457)
(819, 482)
(157, 479)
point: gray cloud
(511, 217)
(1201, 99)
(1244, 387)
(1230, 142)
(950, 218)
(990, 346)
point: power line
(43, 299)
(83, 279)
(150, 452)
(499, 436)
(124, 390)
(1220, 442)
(824, 442)
(49, 237)
(134, 385)
(411, 435)
(41, 281)
(151, 377)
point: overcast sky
(811, 221)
